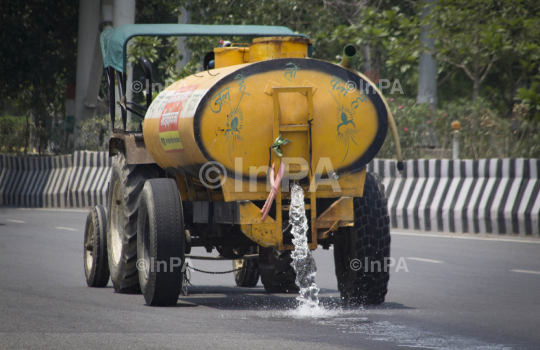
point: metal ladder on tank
(284, 129)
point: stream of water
(303, 262)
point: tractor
(214, 158)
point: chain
(186, 278)
(213, 273)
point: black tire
(368, 239)
(160, 238)
(281, 278)
(96, 262)
(125, 189)
(248, 275)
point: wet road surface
(461, 292)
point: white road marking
(17, 221)
(66, 228)
(57, 209)
(426, 260)
(527, 271)
(462, 236)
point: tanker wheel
(368, 241)
(160, 242)
(281, 278)
(248, 273)
(96, 265)
(125, 189)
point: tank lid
(283, 38)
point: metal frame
(278, 129)
(112, 75)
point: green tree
(475, 35)
(37, 55)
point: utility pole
(183, 18)
(427, 69)
(94, 17)
(124, 13)
(89, 18)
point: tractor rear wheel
(281, 278)
(96, 265)
(360, 252)
(248, 273)
(160, 241)
(125, 189)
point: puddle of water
(407, 336)
(351, 322)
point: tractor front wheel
(96, 265)
(125, 189)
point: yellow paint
(267, 235)
(278, 47)
(182, 187)
(230, 56)
(340, 210)
(251, 214)
(255, 115)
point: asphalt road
(461, 292)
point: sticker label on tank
(158, 104)
(188, 111)
(168, 124)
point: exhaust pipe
(349, 56)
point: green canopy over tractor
(114, 41)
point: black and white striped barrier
(480, 196)
(77, 180)
(89, 179)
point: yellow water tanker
(217, 156)
(232, 116)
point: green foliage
(489, 50)
(96, 133)
(143, 46)
(479, 37)
(483, 134)
(531, 97)
(14, 131)
(38, 54)
(395, 36)
(303, 16)
(12, 134)
(414, 124)
(391, 31)
(157, 11)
